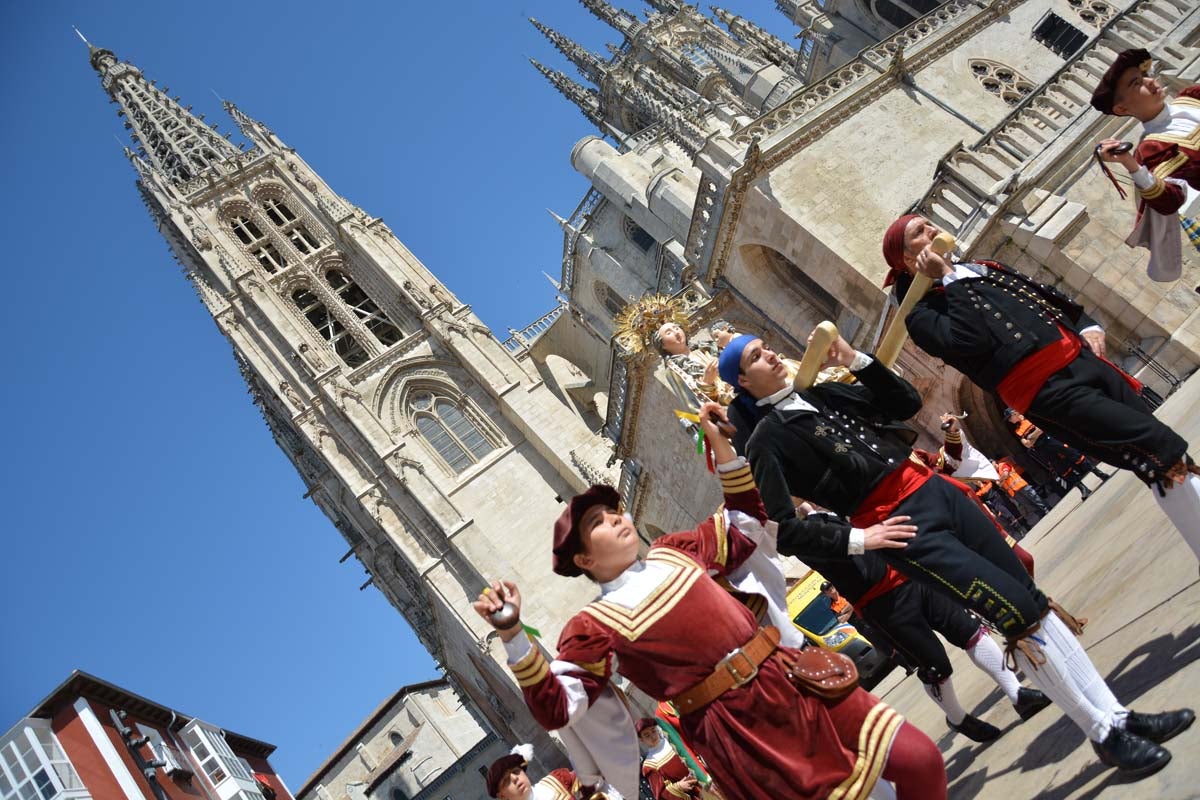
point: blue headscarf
(729, 367)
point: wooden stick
(823, 337)
(893, 339)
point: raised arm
(944, 326)
(892, 397)
(557, 697)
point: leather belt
(734, 670)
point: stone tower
(438, 453)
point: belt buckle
(739, 679)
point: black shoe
(1029, 702)
(1160, 727)
(975, 729)
(1133, 755)
(1084, 492)
(1103, 475)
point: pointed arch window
(302, 240)
(639, 235)
(455, 437)
(269, 256)
(613, 303)
(286, 221)
(278, 211)
(245, 229)
(370, 314)
(344, 344)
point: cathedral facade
(726, 176)
(741, 176)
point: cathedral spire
(771, 46)
(589, 64)
(759, 84)
(588, 100)
(665, 6)
(620, 19)
(176, 142)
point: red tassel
(1109, 174)
(708, 458)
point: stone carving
(290, 395)
(416, 295)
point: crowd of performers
(829, 474)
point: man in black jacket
(1043, 356)
(904, 616)
(844, 448)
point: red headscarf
(893, 248)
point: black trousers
(1088, 404)
(958, 552)
(906, 618)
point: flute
(893, 339)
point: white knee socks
(988, 656)
(947, 699)
(1181, 504)
(1069, 678)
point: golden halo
(638, 321)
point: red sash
(1026, 379)
(883, 499)
(889, 581)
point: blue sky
(155, 535)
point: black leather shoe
(1029, 702)
(975, 729)
(1132, 755)
(1084, 492)
(1160, 727)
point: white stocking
(947, 699)
(1181, 504)
(988, 656)
(1082, 670)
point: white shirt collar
(635, 569)
(659, 748)
(786, 399)
(1159, 123)
(772, 399)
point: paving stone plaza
(1116, 560)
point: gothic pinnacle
(590, 65)
(587, 100)
(679, 127)
(174, 141)
(788, 7)
(618, 18)
(774, 48)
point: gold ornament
(638, 321)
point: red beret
(1104, 96)
(644, 723)
(501, 767)
(893, 248)
(567, 541)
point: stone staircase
(971, 181)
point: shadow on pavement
(1139, 671)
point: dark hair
(826, 586)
